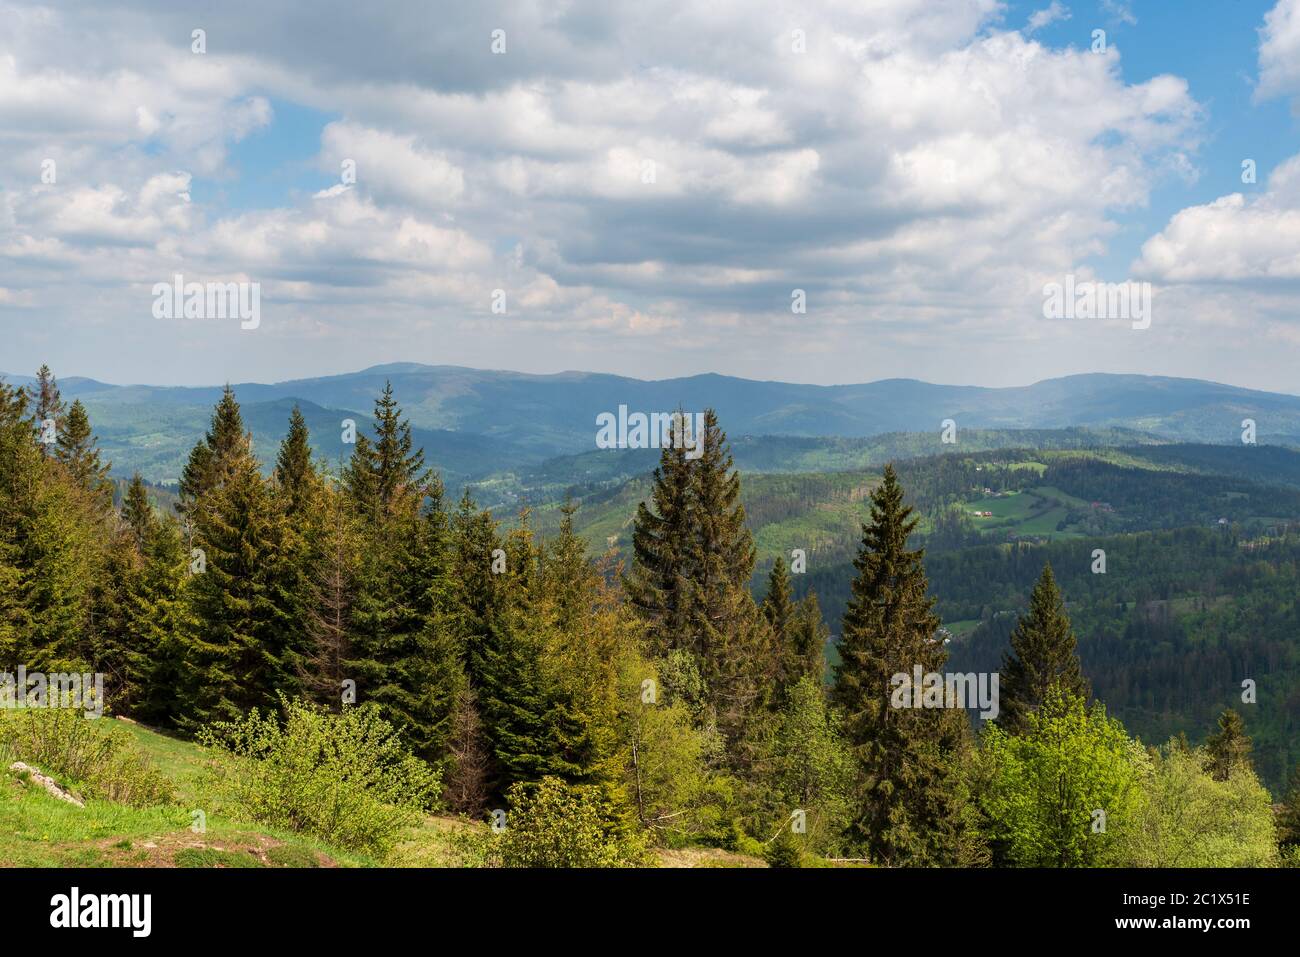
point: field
(39, 830)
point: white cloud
(1039, 19)
(1279, 51)
(1234, 239)
(918, 169)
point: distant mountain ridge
(510, 419)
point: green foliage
(1043, 786)
(784, 850)
(909, 804)
(345, 778)
(807, 766)
(1042, 656)
(1190, 819)
(92, 755)
(552, 824)
(1228, 749)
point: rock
(47, 782)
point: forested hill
(1199, 591)
(507, 420)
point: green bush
(553, 824)
(344, 778)
(784, 851)
(91, 756)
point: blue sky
(645, 189)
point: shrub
(92, 756)
(784, 851)
(553, 824)
(344, 778)
(1189, 819)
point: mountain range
(475, 423)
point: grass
(38, 830)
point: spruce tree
(75, 448)
(331, 585)
(727, 633)
(137, 512)
(239, 651)
(1228, 749)
(20, 476)
(1043, 653)
(806, 654)
(1288, 821)
(49, 404)
(212, 458)
(403, 643)
(296, 479)
(908, 807)
(160, 623)
(778, 602)
(657, 584)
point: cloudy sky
(647, 183)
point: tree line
(661, 700)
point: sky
(652, 189)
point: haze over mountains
(476, 422)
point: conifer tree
(239, 652)
(1043, 653)
(1228, 749)
(658, 583)
(137, 512)
(49, 404)
(159, 622)
(75, 448)
(778, 603)
(295, 476)
(512, 683)
(330, 586)
(1288, 821)
(403, 643)
(908, 807)
(806, 655)
(20, 476)
(211, 459)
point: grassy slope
(38, 830)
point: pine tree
(137, 512)
(159, 622)
(331, 583)
(211, 459)
(238, 653)
(1288, 821)
(49, 405)
(296, 478)
(806, 655)
(75, 448)
(779, 611)
(1228, 749)
(403, 643)
(1043, 653)
(908, 810)
(778, 603)
(658, 583)
(20, 477)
